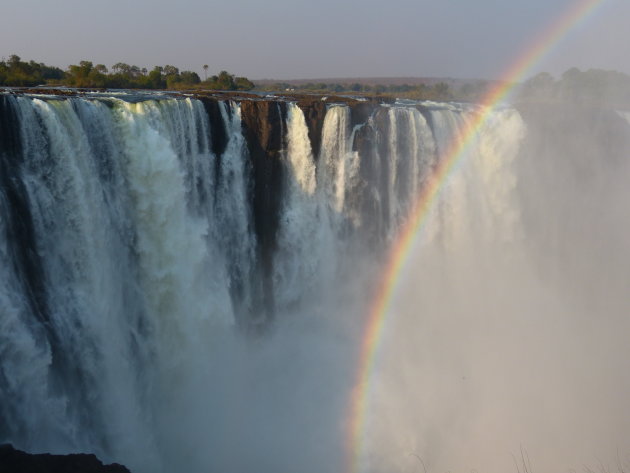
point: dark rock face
(314, 113)
(219, 137)
(16, 461)
(263, 129)
(371, 141)
(360, 112)
(365, 143)
(426, 113)
(314, 109)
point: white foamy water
(139, 321)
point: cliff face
(262, 130)
(263, 127)
(198, 214)
(17, 461)
(314, 113)
(137, 243)
(264, 122)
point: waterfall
(305, 228)
(168, 303)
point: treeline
(440, 91)
(15, 72)
(591, 87)
(18, 73)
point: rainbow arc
(401, 248)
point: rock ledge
(17, 461)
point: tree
(243, 83)
(156, 80)
(100, 68)
(442, 91)
(14, 60)
(170, 70)
(135, 72)
(539, 87)
(225, 81)
(189, 77)
(172, 80)
(121, 68)
(15, 72)
(79, 75)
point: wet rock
(314, 113)
(17, 461)
(263, 127)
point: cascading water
(134, 263)
(306, 227)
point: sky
(296, 39)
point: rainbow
(573, 17)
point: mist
(506, 347)
(158, 338)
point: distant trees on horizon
(18, 73)
(440, 91)
(15, 72)
(590, 87)
(593, 86)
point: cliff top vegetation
(593, 87)
(18, 73)
(590, 87)
(468, 91)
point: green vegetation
(26, 74)
(226, 81)
(15, 72)
(592, 87)
(440, 91)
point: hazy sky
(312, 39)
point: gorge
(184, 282)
